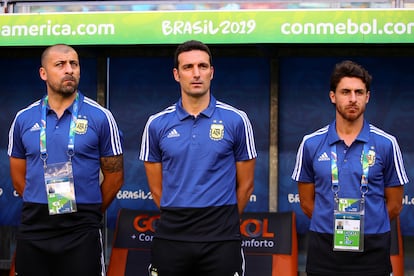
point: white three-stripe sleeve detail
(248, 129)
(145, 143)
(113, 127)
(299, 156)
(397, 155)
(11, 131)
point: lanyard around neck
(365, 170)
(71, 143)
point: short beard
(65, 91)
(68, 91)
(351, 118)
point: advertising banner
(241, 26)
(264, 236)
(267, 232)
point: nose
(68, 68)
(196, 72)
(352, 96)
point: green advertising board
(220, 27)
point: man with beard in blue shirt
(58, 146)
(350, 173)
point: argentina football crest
(81, 126)
(217, 130)
(371, 157)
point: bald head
(60, 70)
(60, 48)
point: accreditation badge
(349, 225)
(60, 188)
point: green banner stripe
(246, 26)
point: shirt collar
(333, 137)
(70, 108)
(208, 112)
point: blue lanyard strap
(365, 170)
(71, 143)
(335, 174)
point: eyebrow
(203, 64)
(356, 90)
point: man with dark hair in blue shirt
(199, 156)
(350, 173)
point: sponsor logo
(35, 127)
(144, 223)
(324, 157)
(256, 233)
(256, 228)
(173, 133)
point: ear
(332, 97)
(42, 73)
(176, 75)
(212, 73)
(368, 96)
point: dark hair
(350, 69)
(189, 46)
